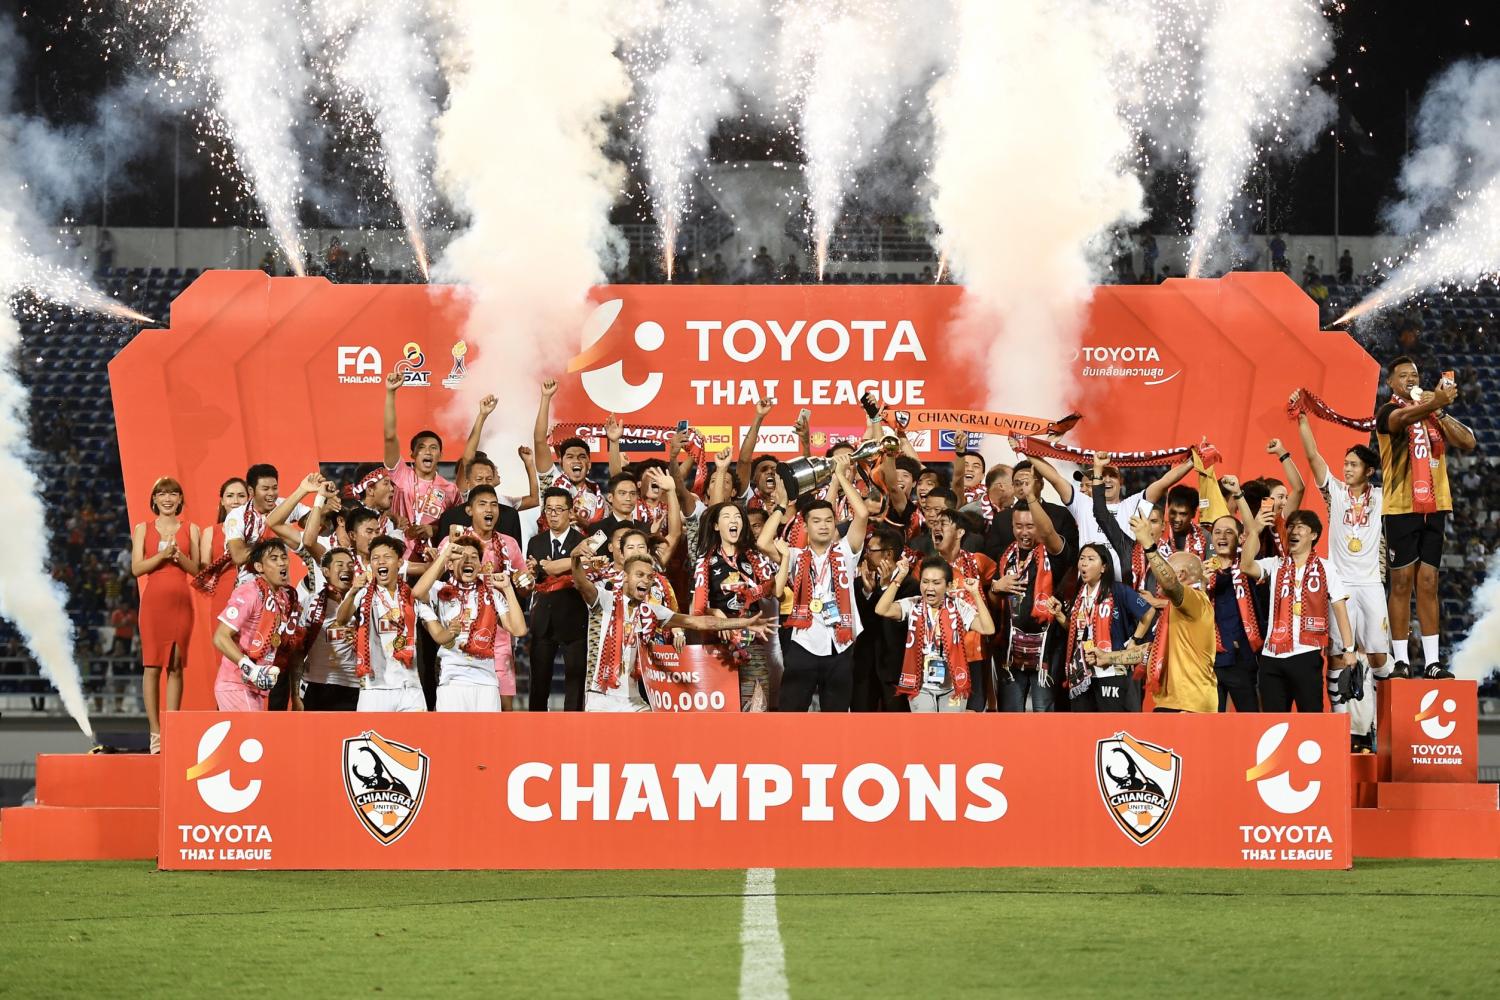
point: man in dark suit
(559, 620)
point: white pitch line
(762, 959)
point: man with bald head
(1180, 671)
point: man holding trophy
(1415, 433)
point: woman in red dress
(164, 549)
(213, 550)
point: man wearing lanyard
(823, 622)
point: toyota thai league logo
(385, 781)
(606, 384)
(1274, 761)
(212, 773)
(1139, 783)
(1432, 719)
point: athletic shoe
(1399, 671)
(1361, 744)
(1437, 672)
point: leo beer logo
(386, 782)
(1138, 782)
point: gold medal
(276, 640)
(815, 605)
(1297, 608)
(732, 580)
(1355, 545)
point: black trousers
(1237, 682)
(575, 654)
(830, 677)
(427, 667)
(1292, 680)
(329, 698)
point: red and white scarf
(1013, 564)
(1197, 541)
(318, 613)
(1140, 570)
(1090, 621)
(1424, 448)
(641, 625)
(478, 633)
(207, 579)
(802, 592)
(277, 604)
(1311, 593)
(1243, 599)
(403, 646)
(942, 635)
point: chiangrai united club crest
(385, 781)
(1139, 783)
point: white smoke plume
(29, 598)
(859, 67)
(1258, 60)
(1478, 655)
(1450, 187)
(519, 152)
(383, 61)
(1029, 169)
(249, 61)
(684, 81)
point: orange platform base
(126, 779)
(78, 833)
(90, 807)
(1426, 833)
(1436, 795)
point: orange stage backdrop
(524, 790)
(287, 370)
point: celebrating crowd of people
(859, 580)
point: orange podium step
(78, 833)
(81, 779)
(1436, 795)
(1426, 833)
(1364, 772)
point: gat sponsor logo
(386, 782)
(359, 365)
(1139, 782)
(1141, 361)
(1276, 760)
(606, 384)
(212, 773)
(410, 366)
(1438, 724)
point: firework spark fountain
(1258, 58)
(1021, 204)
(383, 63)
(1450, 188)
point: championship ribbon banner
(695, 680)
(570, 791)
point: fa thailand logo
(1138, 782)
(212, 771)
(385, 781)
(410, 366)
(1432, 719)
(1272, 773)
(359, 365)
(605, 384)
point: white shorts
(1366, 608)
(617, 700)
(467, 698)
(406, 699)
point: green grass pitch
(1388, 928)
